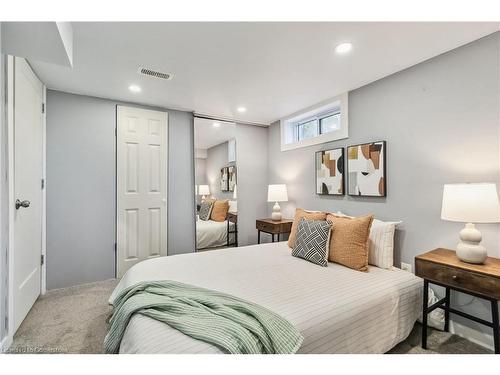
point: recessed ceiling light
(134, 88)
(343, 48)
(216, 124)
(241, 109)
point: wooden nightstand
(232, 217)
(273, 227)
(442, 267)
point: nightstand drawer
(268, 227)
(466, 280)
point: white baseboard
(5, 344)
(480, 338)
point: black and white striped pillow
(205, 210)
(313, 241)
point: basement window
(316, 125)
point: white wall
(81, 167)
(3, 200)
(441, 122)
(252, 163)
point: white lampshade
(235, 194)
(277, 193)
(204, 190)
(471, 203)
(196, 189)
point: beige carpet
(73, 320)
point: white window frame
(289, 125)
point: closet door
(141, 186)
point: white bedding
(210, 233)
(337, 310)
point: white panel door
(141, 186)
(28, 132)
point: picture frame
(366, 169)
(330, 172)
(232, 177)
(224, 179)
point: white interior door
(141, 186)
(28, 141)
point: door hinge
(42, 259)
(43, 183)
(43, 107)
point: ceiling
(207, 135)
(272, 69)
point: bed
(210, 233)
(336, 309)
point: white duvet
(210, 233)
(337, 310)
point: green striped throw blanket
(230, 323)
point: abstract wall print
(224, 179)
(330, 172)
(231, 177)
(366, 169)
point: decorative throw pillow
(349, 241)
(300, 213)
(219, 210)
(311, 243)
(381, 243)
(205, 209)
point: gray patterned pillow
(313, 240)
(205, 209)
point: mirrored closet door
(216, 187)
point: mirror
(216, 187)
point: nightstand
(232, 217)
(273, 227)
(442, 267)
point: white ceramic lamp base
(276, 215)
(468, 249)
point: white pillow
(233, 206)
(380, 242)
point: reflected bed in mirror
(216, 176)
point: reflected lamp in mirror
(277, 193)
(471, 203)
(204, 190)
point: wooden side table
(232, 217)
(273, 227)
(442, 267)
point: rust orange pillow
(299, 214)
(219, 210)
(349, 240)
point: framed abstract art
(232, 180)
(330, 172)
(366, 170)
(224, 179)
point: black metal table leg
(272, 237)
(424, 314)
(278, 237)
(258, 236)
(496, 326)
(446, 311)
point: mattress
(210, 233)
(337, 310)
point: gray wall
(217, 159)
(441, 123)
(4, 229)
(252, 161)
(81, 164)
(200, 174)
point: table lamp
(203, 190)
(471, 203)
(277, 193)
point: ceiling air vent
(154, 73)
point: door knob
(24, 204)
